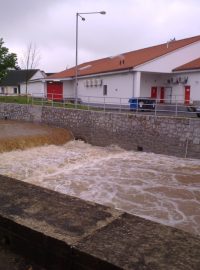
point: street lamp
(76, 69)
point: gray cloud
(128, 25)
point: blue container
(133, 103)
(143, 104)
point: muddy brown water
(21, 135)
(161, 188)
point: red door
(55, 91)
(153, 92)
(187, 94)
(162, 94)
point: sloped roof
(49, 73)
(15, 77)
(126, 60)
(195, 64)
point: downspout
(133, 83)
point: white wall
(152, 79)
(68, 89)
(172, 60)
(8, 90)
(118, 86)
(36, 88)
(193, 82)
(23, 89)
(136, 84)
(38, 75)
(173, 91)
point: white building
(24, 82)
(191, 73)
(153, 72)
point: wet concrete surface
(62, 217)
(131, 242)
(13, 261)
(57, 231)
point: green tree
(7, 60)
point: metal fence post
(88, 103)
(176, 112)
(155, 111)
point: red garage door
(55, 91)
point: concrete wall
(59, 232)
(36, 89)
(149, 80)
(118, 86)
(163, 135)
(9, 90)
(193, 82)
(174, 92)
(121, 87)
(68, 89)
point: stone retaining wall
(162, 134)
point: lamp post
(76, 68)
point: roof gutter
(58, 79)
(128, 70)
(186, 70)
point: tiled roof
(15, 77)
(126, 60)
(195, 64)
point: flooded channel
(22, 135)
(157, 187)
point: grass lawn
(15, 99)
(43, 102)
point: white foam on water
(161, 188)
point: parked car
(198, 111)
(194, 109)
(142, 104)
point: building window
(15, 90)
(105, 90)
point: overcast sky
(128, 25)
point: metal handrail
(118, 104)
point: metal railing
(115, 104)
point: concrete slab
(12, 261)
(133, 243)
(56, 232)
(59, 216)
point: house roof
(195, 64)
(126, 60)
(15, 77)
(49, 73)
